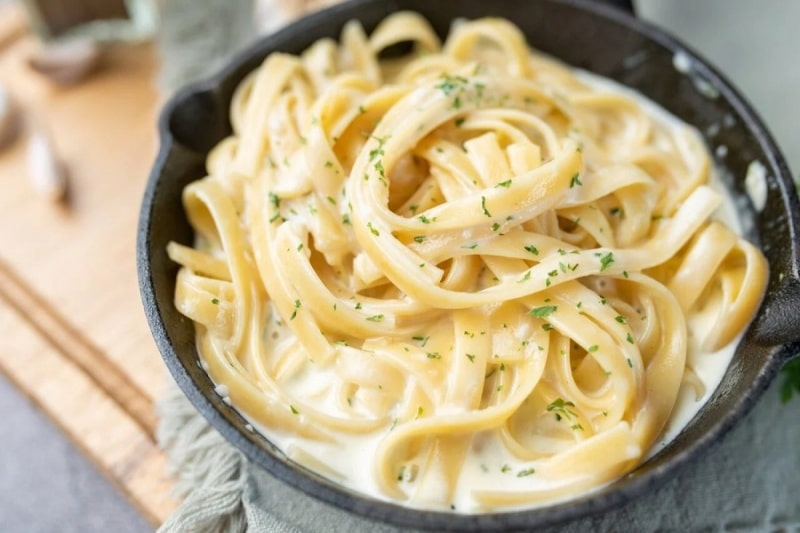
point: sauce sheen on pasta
(470, 278)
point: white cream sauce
(350, 462)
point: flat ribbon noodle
(470, 267)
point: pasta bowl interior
(439, 278)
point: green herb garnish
(483, 206)
(543, 311)
(561, 408)
(606, 261)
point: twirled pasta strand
(465, 265)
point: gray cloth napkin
(750, 481)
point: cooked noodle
(469, 258)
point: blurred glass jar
(97, 20)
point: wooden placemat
(73, 336)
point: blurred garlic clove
(9, 123)
(66, 62)
(46, 173)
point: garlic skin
(67, 62)
(46, 173)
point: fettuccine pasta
(468, 278)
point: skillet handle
(780, 321)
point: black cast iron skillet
(590, 35)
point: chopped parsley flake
(420, 238)
(380, 169)
(451, 84)
(576, 180)
(421, 340)
(375, 318)
(377, 152)
(506, 184)
(294, 409)
(606, 261)
(483, 206)
(543, 311)
(275, 200)
(471, 357)
(561, 408)
(532, 249)
(433, 355)
(215, 301)
(296, 307)
(526, 472)
(373, 230)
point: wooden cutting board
(73, 336)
